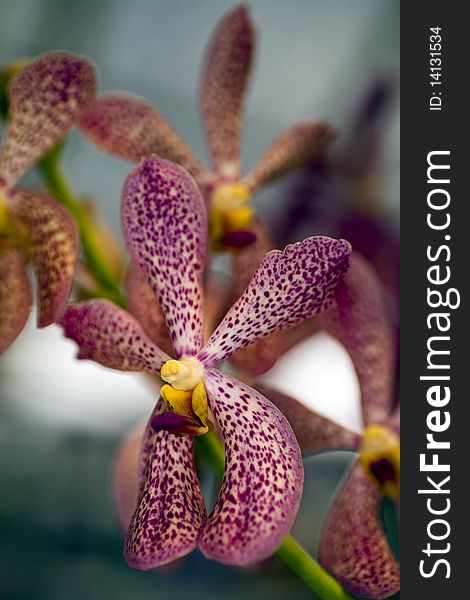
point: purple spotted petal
(125, 476)
(53, 239)
(171, 511)
(130, 127)
(165, 225)
(260, 356)
(313, 432)
(111, 336)
(354, 547)
(287, 288)
(15, 296)
(144, 306)
(362, 324)
(292, 149)
(263, 480)
(46, 98)
(224, 82)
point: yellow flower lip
(4, 217)
(185, 392)
(230, 195)
(230, 209)
(379, 454)
(183, 374)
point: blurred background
(61, 421)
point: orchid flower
(131, 128)
(165, 226)
(46, 98)
(354, 546)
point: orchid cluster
(171, 320)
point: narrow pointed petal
(362, 323)
(15, 297)
(354, 547)
(53, 238)
(257, 358)
(260, 356)
(171, 511)
(111, 337)
(130, 127)
(164, 221)
(144, 306)
(125, 476)
(287, 288)
(224, 83)
(263, 480)
(313, 432)
(292, 149)
(46, 99)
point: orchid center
(230, 210)
(185, 398)
(4, 216)
(379, 454)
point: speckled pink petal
(46, 98)
(111, 336)
(354, 547)
(263, 480)
(130, 127)
(313, 432)
(362, 324)
(171, 511)
(15, 296)
(144, 306)
(224, 82)
(292, 149)
(165, 225)
(287, 288)
(53, 239)
(125, 476)
(260, 356)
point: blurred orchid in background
(165, 225)
(46, 98)
(354, 545)
(131, 128)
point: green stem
(95, 260)
(290, 551)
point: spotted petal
(313, 432)
(223, 85)
(112, 337)
(165, 225)
(260, 356)
(287, 288)
(263, 480)
(130, 127)
(362, 324)
(15, 297)
(354, 547)
(171, 511)
(292, 149)
(144, 306)
(46, 98)
(53, 238)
